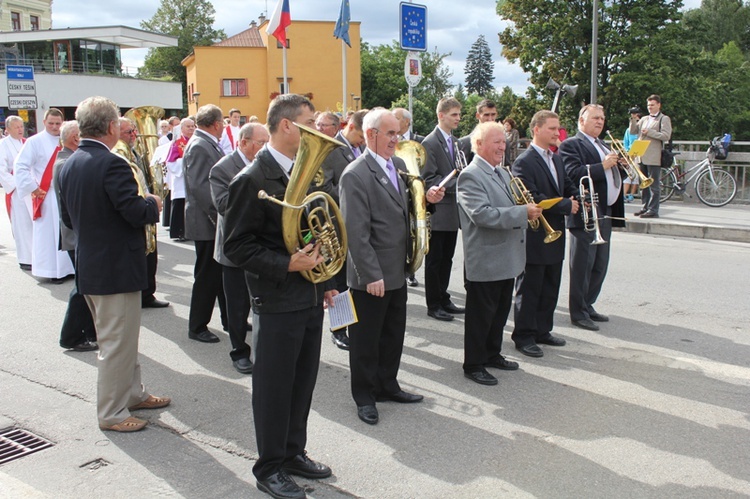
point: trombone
(591, 214)
(630, 167)
(522, 196)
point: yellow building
(245, 70)
(25, 15)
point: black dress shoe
(340, 339)
(639, 213)
(400, 396)
(154, 303)
(301, 465)
(440, 315)
(412, 281)
(205, 336)
(243, 366)
(25, 266)
(554, 341)
(530, 350)
(586, 324)
(597, 317)
(368, 413)
(453, 309)
(482, 377)
(281, 486)
(86, 346)
(650, 214)
(503, 363)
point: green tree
(718, 22)
(479, 68)
(191, 21)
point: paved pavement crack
(46, 385)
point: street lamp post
(594, 50)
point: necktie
(450, 144)
(392, 175)
(355, 151)
(552, 169)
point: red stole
(229, 134)
(45, 184)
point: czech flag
(279, 22)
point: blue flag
(342, 25)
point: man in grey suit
(201, 154)
(251, 138)
(494, 238)
(333, 166)
(375, 207)
(657, 129)
(441, 147)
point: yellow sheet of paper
(638, 148)
(546, 204)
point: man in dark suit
(77, 332)
(375, 207)
(404, 120)
(492, 224)
(101, 204)
(250, 139)
(353, 138)
(288, 308)
(441, 147)
(201, 154)
(538, 287)
(486, 112)
(586, 155)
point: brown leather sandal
(152, 402)
(126, 425)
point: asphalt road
(653, 405)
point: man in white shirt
(20, 214)
(230, 137)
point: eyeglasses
(391, 134)
(261, 143)
(326, 124)
(128, 132)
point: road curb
(695, 231)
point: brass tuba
(123, 150)
(414, 155)
(146, 119)
(324, 224)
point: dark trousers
(286, 368)
(78, 325)
(537, 291)
(588, 268)
(177, 221)
(376, 343)
(487, 309)
(650, 195)
(166, 211)
(147, 294)
(238, 308)
(437, 268)
(207, 286)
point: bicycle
(713, 186)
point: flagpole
(286, 82)
(343, 78)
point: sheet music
(343, 312)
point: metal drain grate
(16, 443)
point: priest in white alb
(19, 212)
(230, 137)
(33, 174)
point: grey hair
(481, 131)
(94, 116)
(373, 118)
(248, 129)
(67, 129)
(12, 119)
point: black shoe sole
(304, 474)
(489, 382)
(268, 491)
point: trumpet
(460, 165)
(630, 167)
(591, 214)
(522, 196)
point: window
(234, 88)
(288, 44)
(34, 23)
(15, 18)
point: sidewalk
(680, 219)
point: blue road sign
(20, 72)
(413, 21)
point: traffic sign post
(413, 24)
(20, 72)
(22, 102)
(21, 87)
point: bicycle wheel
(666, 183)
(717, 192)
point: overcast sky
(451, 27)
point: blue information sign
(413, 20)
(20, 72)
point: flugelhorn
(630, 167)
(323, 223)
(591, 214)
(522, 196)
(414, 155)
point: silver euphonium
(590, 214)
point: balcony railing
(80, 67)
